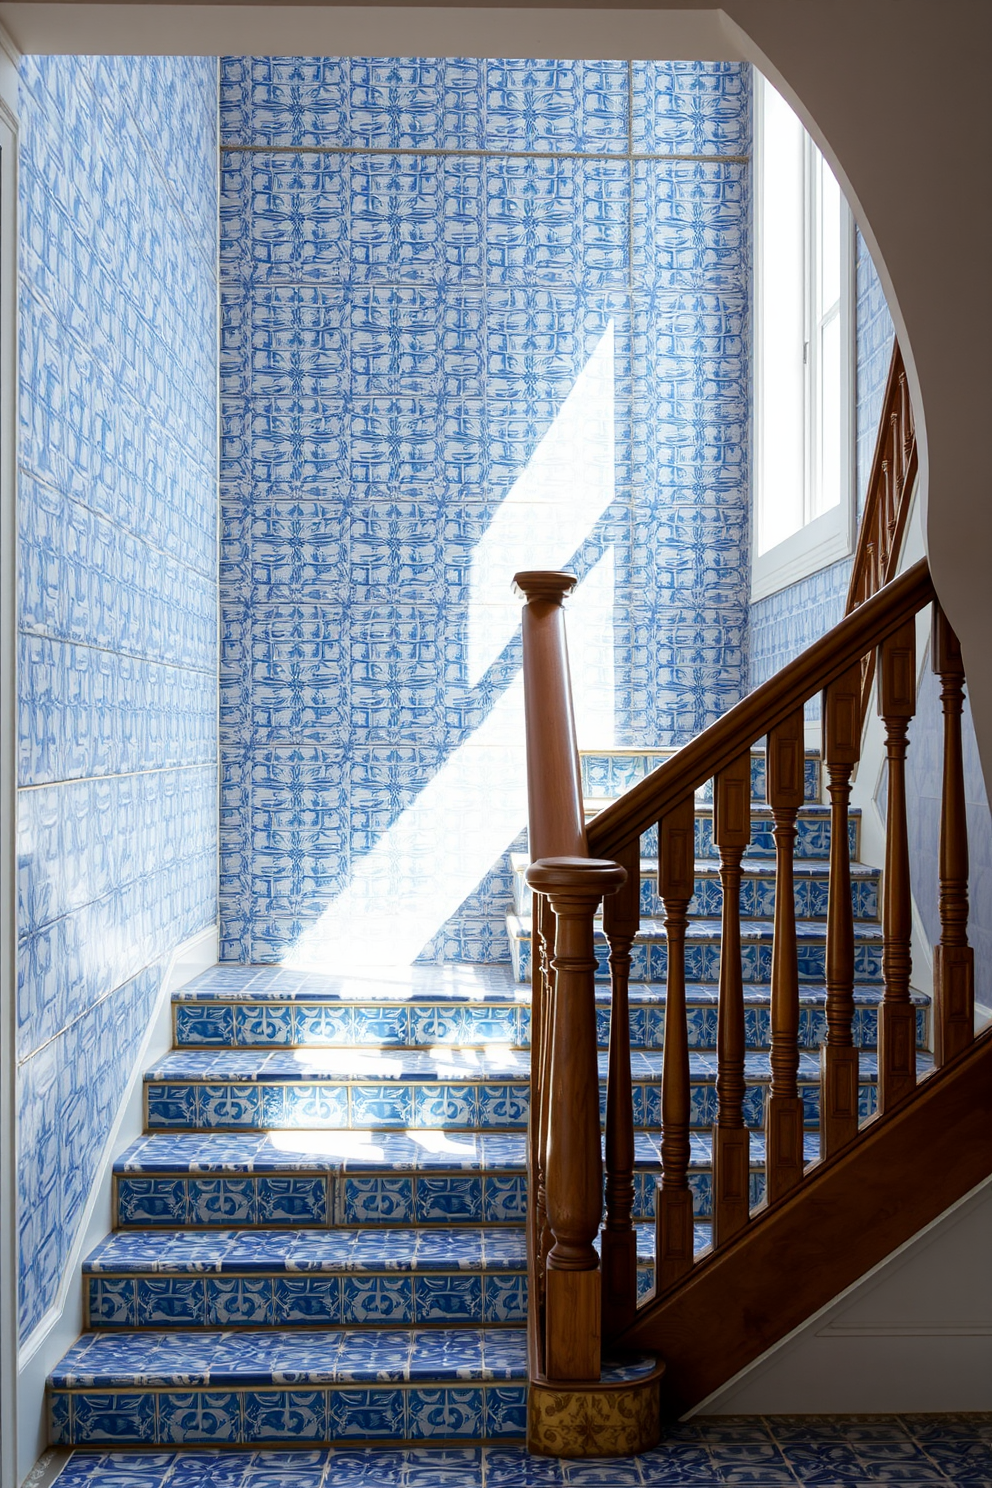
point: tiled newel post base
(320, 1239)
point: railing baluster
(574, 1164)
(731, 1139)
(897, 1017)
(784, 1115)
(676, 868)
(542, 1013)
(954, 960)
(838, 1055)
(621, 918)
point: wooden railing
(573, 870)
(887, 501)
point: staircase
(321, 1237)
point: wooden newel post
(574, 1165)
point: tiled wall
(784, 624)
(478, 316)
(117, 513)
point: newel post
(574, 887)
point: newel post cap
(592, 876)
(543, 583)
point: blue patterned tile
(200, 1416)
(285, 1415)
(367, 1415)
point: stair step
(612, 772)
(757, 898)
(252, 1090)
(320, 1178)
(260, 1386)
(649, 952)
(217, 1183)
(812, 832)
(286, 1278)
(239, 1017)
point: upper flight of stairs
(321, 1236)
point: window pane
(781, 329)
(829, 238)
(827, 492)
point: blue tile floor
(761, 1451)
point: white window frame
(824, 539)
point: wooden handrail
(762, 710)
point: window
(804, 354)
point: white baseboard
(63, 1322)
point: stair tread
(468, 982)
(868, 994)
(307, 1251)
(708, 929)
(332, 1151)
(750, 867)
(445, 1066)
(291, 1356)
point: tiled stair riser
(415, 1107)
(812, 842)
(254, 1030)
(612, 773)
(389, 1413)
(757, 897)
(649, 958)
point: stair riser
(388, 1301)
(649, 961)
(812, 838)
(757, 898)
(261, 1301)
(608, 774)
(143, 1203)
(268, 1026)
(185, 1107)
(211, 1415)
(256, 1200)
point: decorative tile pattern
(117, 599)
(710, 1450)
(415, 340)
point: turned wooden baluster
(954, 959)
(621, 918)
(838, 1055)
(542, 1022)
(676, 867)
(784, 1113)
(897, 1016)
(574, 1167)
(731, 1138)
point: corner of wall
(62, 1324)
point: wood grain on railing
(897, 1016)
(676, 872)
(839, 1056)
(731, 1139)
(750, 719)
(574, 1168)
(621, 919)
(954, 960)
(784, 1114)
(890, 485)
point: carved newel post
(574, 1167)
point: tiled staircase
(320, 1238)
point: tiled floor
(762, 1452)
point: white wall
(914, 1335)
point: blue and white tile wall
(784, 624)
(117, 502)
(477, 316)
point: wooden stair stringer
(901, 1173)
